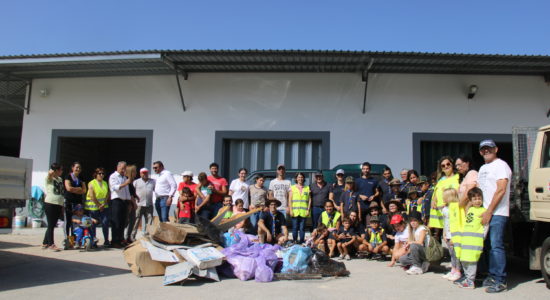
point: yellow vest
(300, 201)
(409, 206)
(100, 194)
(436, 215)
(376, 237)
(330, 223)
(457, 217)
(471, 242)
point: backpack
(434, 250)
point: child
(412, 202)
(473, 234)
(331, 218)
(319, 237)
(376, 243)
(237, 210)
(346, 238)
(78, 230)
(425, 193)
(204, 193)
(454, 216)
(186, 206)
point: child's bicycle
(86, 241)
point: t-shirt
(240, 191)
(54, 191)
(274, 227)
(75, 182)
(205, 190)
(144, 191)
(337, 191)
(349, 232)
(417, 232)
(487, 180)
(349, 201)
(258, 196)
(218, 183)
(280, 189)
(188, 206)
(402, 236)
(470, 178)
(319, 195)
(385, 188)
(366, 187)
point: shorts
(346, 240)
(374, 245)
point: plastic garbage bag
(263, 272)
(230, 239)
(319, 262)
(243, 267)
(295, 259)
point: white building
(259, 108)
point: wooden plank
(304, 276)
(228, 223)
(219, 218)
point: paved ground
(26, 271)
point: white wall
(397, 106)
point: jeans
(119, 212)
(53, 212)
(254, 218)
(298, 224)
(316, 212)
(494, 249)
(104, 217)
(162, 209)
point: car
(353, 170)
(290, 174)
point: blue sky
(491, 27)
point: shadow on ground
(10, 245)
(23, 270)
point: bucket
(36, 223)
(19, 221)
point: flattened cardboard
(140, 262)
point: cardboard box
(140, 262)
(203, 258)
(168, 233)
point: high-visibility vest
(300, 201)
(457, 217)
(376, 237)
(330, 221)
(471, 242)
(413, 205)
(100, 192)
(436, 215)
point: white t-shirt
(280, 190)
(487, 180)
(403, 236)
(240, 191)
(417, 234)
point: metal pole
(366, 80)
(179, 88)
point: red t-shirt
(188, 209)
(218, 183)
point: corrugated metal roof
(152, 62)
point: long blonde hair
(131, 171)
(450, 195)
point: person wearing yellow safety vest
(332, 220)
(452, 233)
(97, 202)
(412, 202)
(473, 234)
(446, 178)
(377, 243)
(300, 205)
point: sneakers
(414, 270)
(459, 280)
(341, 257)
(487, 282)
(347, 257)
(454, 276)
(496, 288)
(466, 284)
(425, 266)
(446, 276)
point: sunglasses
(100, 173)
(446, 165)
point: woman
(400, 239)
(258, 199)
(349, 200)
(415, 247)
(204, 193)
(238, 189)
(467, 178)
(411, 182)
(74, 189)
(446, 178)
(131, 173)
(300, 205)
(53, 203)
(97, 202)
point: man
(384, 185)
(404, 173)
(272, 225)
(219, 189)
(367, 188)
(120, 193)
(279, 189)
(165, 188)
(337, 189)
(320, 191)
(145, 187)
(258, 199)
(494, 180)
(188, 204)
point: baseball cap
(187, 173)
(143, 170)
(340, 171)
(396, 219)
(487, 143)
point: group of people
(466, 209)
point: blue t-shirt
(366, 187)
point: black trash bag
(208, 229)
(320, 263)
